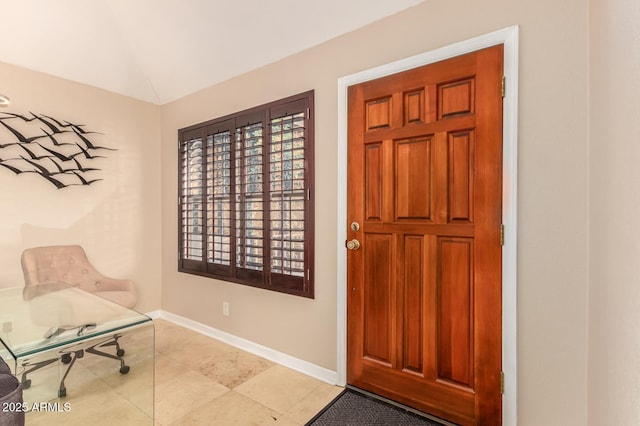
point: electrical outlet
(225, 309)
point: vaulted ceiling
(161, 50)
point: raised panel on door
(413, 178)
(455, 310)
(461, 150)
(456, 98)
(378, 114)
(373, 181)
(414, 107)
(378, 298)
(412, 304)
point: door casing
(509, 38)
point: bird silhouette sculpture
(56, 150)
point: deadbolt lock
(355, 226)
(353, 244)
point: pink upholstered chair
(69, 264)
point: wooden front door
(424, 203)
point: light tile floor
(198, 381)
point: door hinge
(502, 382)
(501, 234)
(503, 87)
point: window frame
(232, 123)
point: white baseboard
(281, 358)
(154, 314)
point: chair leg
(26, 383)
(62, 392)
(69, 358)
(124, 369)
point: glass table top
(38, 318)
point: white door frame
(508, 37)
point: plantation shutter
(289, 195)
(191, 175)
(245, 204)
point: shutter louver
(219, 198)
(249, 197)
(191, 199)
(287, 195)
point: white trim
(509, 37)
(154, 314)
(281, 358)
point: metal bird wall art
(56, 150)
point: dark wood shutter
(191, 214)
(245, 197)
(219, 198)
(249, 202)
(289, 194)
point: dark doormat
(353, 408)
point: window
(246, 197)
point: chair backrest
(68, 264)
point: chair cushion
(4, 368)
(8, 385)
(11, 399)
(70, 265)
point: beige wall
(552, 263)
(116, 220)
(614, 308)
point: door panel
(377, 296)
(413, 178)
(379, 114)
(461, 153)
(373, 183)
(455, 313)
(412, 353)
(424, 287)
(456, 98)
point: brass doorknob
(353, 244)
